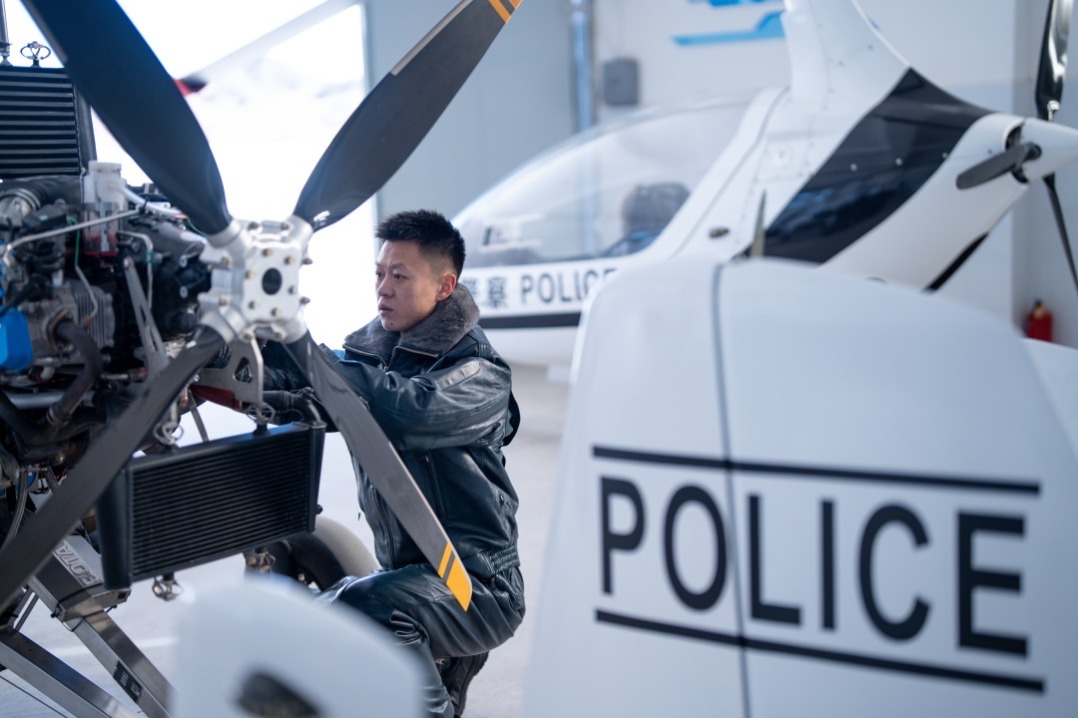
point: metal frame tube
(57, 680)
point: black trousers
(418, 608)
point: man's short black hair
(436, 235)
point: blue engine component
(16, 352)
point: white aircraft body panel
(722, 200)
(557, 344)
(338, 662)
(608, 414)
(838, 62)
(1059, 373)
(787, 492)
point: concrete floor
(497, 692)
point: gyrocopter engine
(96, 289)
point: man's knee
(361, 594)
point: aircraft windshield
(606, 192)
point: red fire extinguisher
(1039, 322)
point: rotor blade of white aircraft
(255, 49)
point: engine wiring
(145, 239)
(7, 248)
(22, 492)
(143, 203)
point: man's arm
(462, 404)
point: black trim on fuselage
(954, 266)
(826, 473)
(531, 321)
(884, 160)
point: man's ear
(449, 283)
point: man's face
(407, 285)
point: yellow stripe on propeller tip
(460, 585)
(458, 582)
(502, 10)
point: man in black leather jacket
(444, 398)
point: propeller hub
(254, 285)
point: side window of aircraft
(606, 192)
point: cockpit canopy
(606, 192)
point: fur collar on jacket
(451, 319)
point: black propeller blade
(107, 454)
(1053, 64)
(126, 85)
(1057, 211)
(1010, 160)
(379, 459)
(397, 114)
(1048, 96)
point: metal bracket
(156, 355)
(245, 359)
(69, 587)
(254, 284)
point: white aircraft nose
(1037, 148)
(1058, 147)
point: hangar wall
(696, 49)
(518, 102)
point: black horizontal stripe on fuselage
(531, 321)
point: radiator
(45, 126)
(196, 504)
